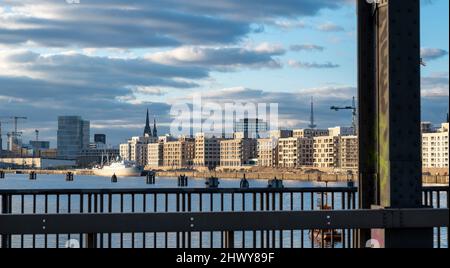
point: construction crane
(1, 134)
(354, 112)
(13, 136)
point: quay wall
(427, 179)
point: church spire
(155, 132)
(147, 129)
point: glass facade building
(253, 128)
(73, 136)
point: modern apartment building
(155, 154)
(72, 136)
(326, 150)
(179, 154)
(309, 133)
(435, 148)
(295, 152)
(237, 152)
(348, 152)
(280, 134)
(341, 131)
(136, 149)
(253, 128)
(207, 151)
(267, 150)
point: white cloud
(429, 54)
(312, 65)
(330, 27)
(261, 55)
(436, 85)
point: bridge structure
(390, 208)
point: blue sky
(109, 61)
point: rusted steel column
(366, 111)
(396, 31)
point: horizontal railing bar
(222, 221)
(178, 190)
(436, 188)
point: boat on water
(327, 235)
(119, 168)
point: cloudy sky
(109, 60)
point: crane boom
(354, 110)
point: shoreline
(294, 176)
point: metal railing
(203, 218)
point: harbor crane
(1, 134)
(13, 136)
(354, 112)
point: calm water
(160, 203)
(20, 181)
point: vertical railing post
(6, 209)
(229, 239)
(91, 240)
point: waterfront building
(348, 152)
(341, 131)
(267, 150)
(426, 127)
(435, 148)
(253, 128)
(326, 150)
(309, 133)
(207, 151)
(280, 134)
(36, 162)
(136, 149)
(72, 136)
(237, 152)
(155, 152)
(295, 152)
(180, 153)
(96, 156)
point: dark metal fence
(265, 208)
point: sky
(110, 60)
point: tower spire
(311, 124)
(147, 129)
(155, 132)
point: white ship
(119, 168)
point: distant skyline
(110, 60)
